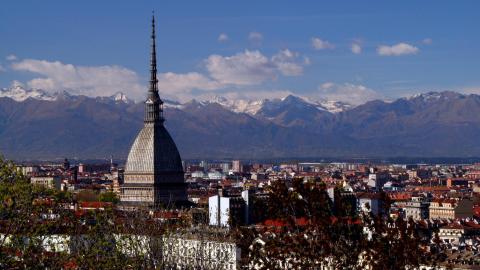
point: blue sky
(344, 50)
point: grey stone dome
(154, 152)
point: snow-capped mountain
(333, 106)
(444, 124)
(120, 97)
(249, 106)
(172, 104)
(252, 107)
(18, 93)
(435, 96)
(238, 105)
(117, 98)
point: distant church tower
(153, 172)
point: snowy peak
(333, 106)
(291, 99)
(120, 97)
(117, 98)
(252, 107)
(172, 104)
(435, 96)
(238, 105)
(18, 93)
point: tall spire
(153, 59)
(153, 105)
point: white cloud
(327, 85)
(172, 83)
(85, 80)
(252, 67)
(319, 44)
(356, 48)
(249, 67)
(255, 37)
(11, 57)
(246, 68)
(286, 62)
(427, 41)
(222, 37)
(2, 68)
(397, 50)
(354, 94)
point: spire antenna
(153, 59)
(153, 105)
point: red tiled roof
(95, 205)
(472, 225)
(433, 188)
(400, 196)
(453, 225)
(447, 200)
(476, 211)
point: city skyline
(347, 51)
(239, 135)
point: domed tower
(153, 172)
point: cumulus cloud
(84, 80)
(397, 50)
(174, 83)
(286, 62)
(11, 57)
(354, 94)
(319, 44)
(228, 75)
(246, 68)
(222, 37)
(180, 86)
(252, 67)
(356, 48)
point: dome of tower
(153, 151)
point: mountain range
(35, 124)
